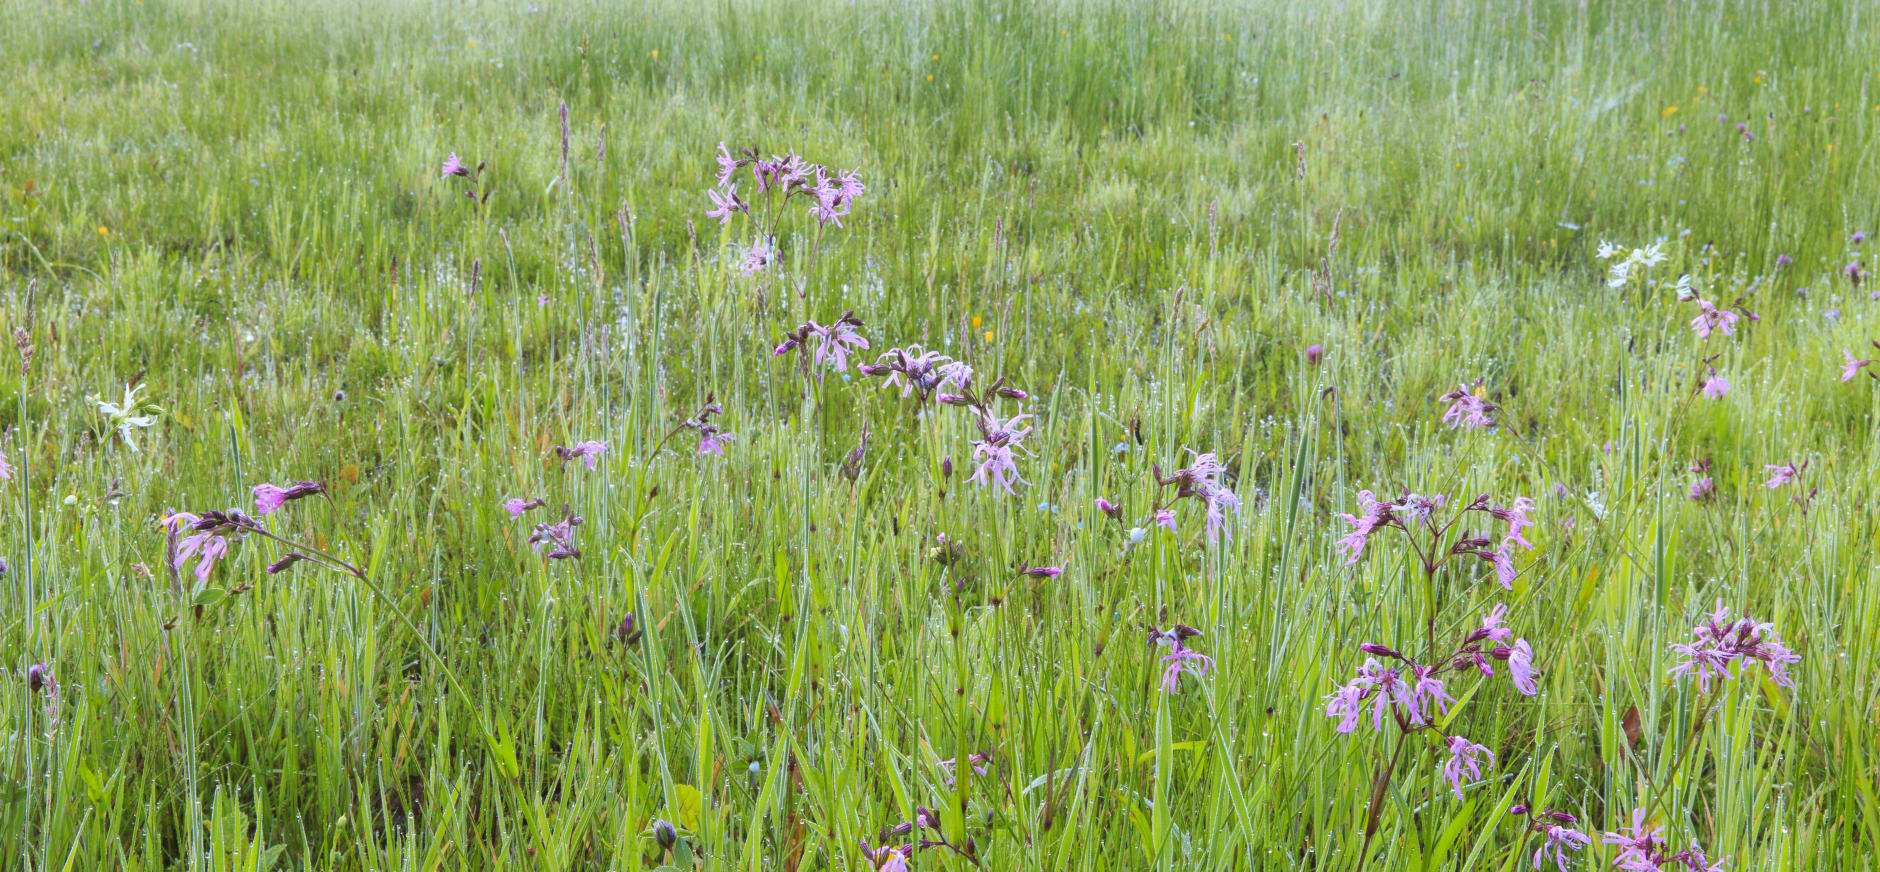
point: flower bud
(1380, 650)
(1315, 353)
(1518, 809)
(664, 833)
(1013, 394)
(1562, 817)
(286, 562)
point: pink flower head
(1182, 660)
(1852, 365)
(1719, 640)
(1859, 237)
(836, 342)
(1042, 571)
(1467, 410)
(1782, 474)
(558, 537)
(713, 443)
(1854, 273)
(724, 203)
(1166, 519)
(1315, 353)
(758, 256)
(1204, 481)
(1637, 844)
(1715, 387)
(1385, 691)
(1783, 260)
(1710, 318)
(1560, 840)
(209, 539)
(589, 452)
(1520, 659)
(727, 164)
(268, 498)
(1703, 489)
(1109, 508)
(1372, 516)
(998, 465)
(1465, 757)
(454, 167)
(518, 506)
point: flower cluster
(589, 453)
(1719, 640)
(1467, 408)
(919, 372)
(1623, 267)
(1416, 517)
(830, 192)
(209, 536)
(1639, 849)
(1559, 836)
(1711, 319)
(1180, 659)
(557, 537)
(1409, 693)
(832, 343)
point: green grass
(238, 205)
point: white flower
(1621, 271)
(1607, 250)
(129, 416)
(1683, 287)
(1650, 255)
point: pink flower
(1703, 489)
(1852, 366)
(836, 342)
(758, 257)
(1315, 353)
(1165, 518)
(1719, 640)
(1712, 318)
(1520, 666)
(1385, 691)
(1560, 840)
(212, 532)
(1636, 844)
(589, 452)
(1372, 516)
(454, 167)
(998, 465)
(1465, 757)
(1715, 387)
(727, 164)
(1467, 410)
(724, 203)
(518, 506)
(1182, 660)
(6, 468)
(713, 443)
(268, 498)
(1783, 474)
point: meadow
(403, 471)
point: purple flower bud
(1518, 809)
(1562, 817)
(39, 677)
(954, 400)
(1014, 394)
(286, 562)
(1859, 237)
(1741, 127)
(1315, 353)
(1109, 508)
(1043, 571)
(946, 467)
(1783, 260)
(1379, 650)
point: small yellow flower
(1757, 80)
(988, 335)
(103, 230)
(1702, 90)
(930, 77)
(1830, 146)
(1669, 111)
(473, 43)
(655, 54)
(976, 321)
(935, 57)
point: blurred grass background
(1123, 209)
